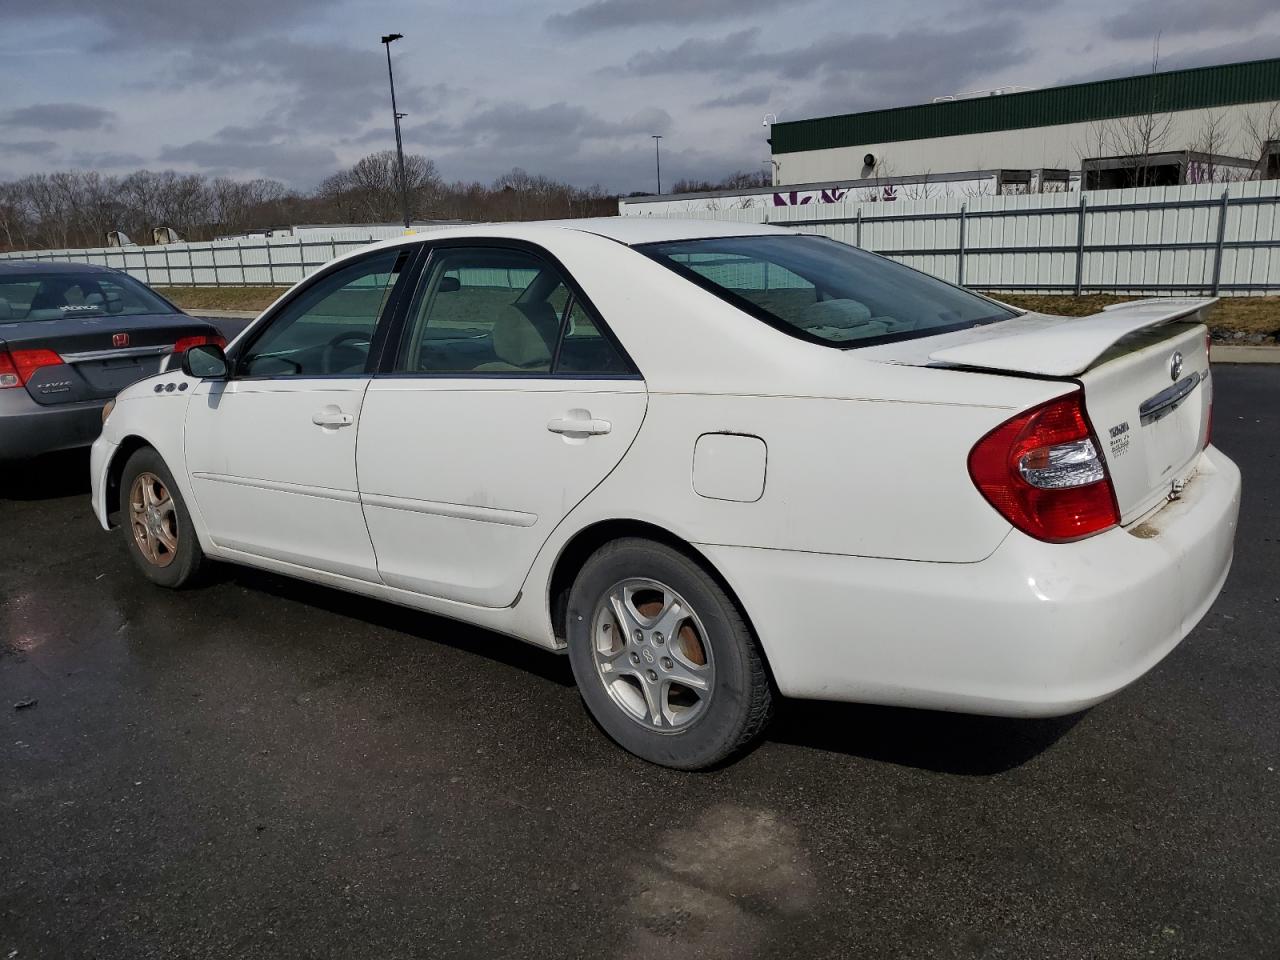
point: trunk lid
(1144, 367)
(101, 355)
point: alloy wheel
(153, 518)
(652, 655)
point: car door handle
(332, 418)
(579, 423)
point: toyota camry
(715, 463)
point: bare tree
(1139, 136)
(1260, 126)
(78, 208)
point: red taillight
(1043, 471)
(186, 343)
(17, 366)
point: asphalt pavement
(262, 768)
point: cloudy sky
(293, 89)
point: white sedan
(714, 462)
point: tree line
(77, 208)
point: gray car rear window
(52, 296)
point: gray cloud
(746, 97)
(107, 161)
(155, 24)
(38, 148)
(516, 126)
(245, 149)
(610, 14)
(1173, 17)
(696, 56)
(857, 71)
(1260, 47)
(58, 116)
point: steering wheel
(331, 348)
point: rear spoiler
(1072, 346)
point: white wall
(1061, 145)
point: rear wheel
(663, 657)
(162, 540)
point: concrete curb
(1236, 353)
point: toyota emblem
(1175, 365)
(119, 339)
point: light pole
(657, 159)
(769, 120)
(389, 39)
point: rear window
(824, 291)
(51, 296)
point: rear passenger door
(506, 403)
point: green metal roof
(1192, 89)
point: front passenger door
(271, 452)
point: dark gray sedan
(72, 336)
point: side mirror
(205, 362)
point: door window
(485, 311)
(495, 311)
(585, 349)
(326, 329)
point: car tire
(628, 673)
(157, 526)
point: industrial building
(1204, 110)
(1201, 125)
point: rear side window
(825, 291)
(52, 296)
(500, 312)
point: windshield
(825, 291)
(51, 296)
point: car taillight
(186, 343)
(1044, 472)
(17, 366)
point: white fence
(247, 261)
(1206, 238)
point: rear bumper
(28, 429)
(1034, 630)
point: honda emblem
(119, 339)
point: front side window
(498, 311)
(52, 296)
(327, 329)
(826, 291)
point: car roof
(645, 229)
(630, 231)
(18, 268)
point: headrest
(523, 335)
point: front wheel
(663, 657)
(162, 540)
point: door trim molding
(281, 486)
(459, 511)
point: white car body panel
(469, 467)
(1069, 347)
(867, 562)
(273, 483)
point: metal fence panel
(1199, 238)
